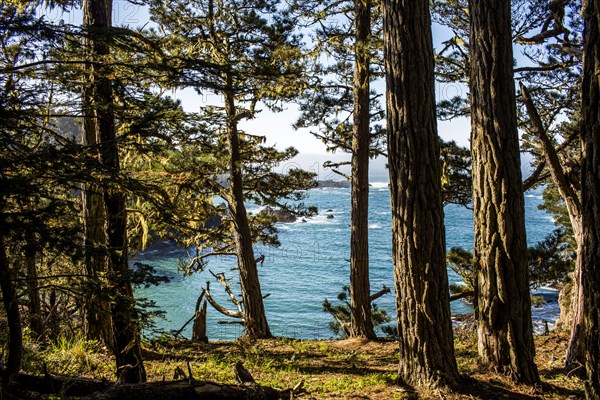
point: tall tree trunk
(97, 17)
(33, 293)
(11, 306)
(98, 320)
(590, 256)
(255, 319)
(418, 238)
(505, 332)
(360, 295)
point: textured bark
(98, 320)
(13, 316)
(199, 327)
(360, 303)
(505, 333)
(97, 16)
(33, 293)
(590, 256)
(418, 238)
(575, 356)
(255, 319)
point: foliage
(551, 260)
(456, 174)
(341, 316)
(327, 102)
(554, 204)
(461, 262)
(253, 61)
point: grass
(342, 369)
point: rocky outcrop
(280, 215)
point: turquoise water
(312, 264)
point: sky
(277, 127)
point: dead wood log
(199, 328)
(187, 389)
(65, 386)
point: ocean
(312, 264)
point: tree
(239, 54)
(98, 319)
(550, 84)
(505, 333)
(590, 257)
(418, 240)
(37, 167)
(346, 111)
(342, 317)
(361, 324)
(127, 350)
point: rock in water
(280, 215)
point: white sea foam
(374, 226)
(316, 220)
(379, 185)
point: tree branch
(552, 160)
(384, 290)
(220, 308)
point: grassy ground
(331, 369)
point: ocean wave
(254, 209)
(375, 226)
(316, 220)
(379, 185)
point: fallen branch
(187, 389)
(48, 384)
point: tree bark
(97, 18)
(255, 319)
(97, 317)
(505, 333)
(11, 307)
(418, 238)
(33, 294)
(590, 256)
(361, 324)
(199, 327)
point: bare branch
(384, 290)
(220, 308)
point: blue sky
(277, 128)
